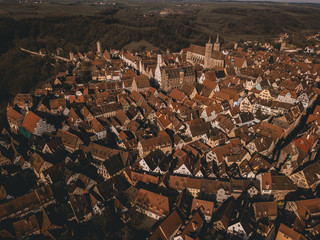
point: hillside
(134, 24)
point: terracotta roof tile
(30, 121)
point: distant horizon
(281, 1)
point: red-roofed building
(286, 233)
(14, 118)
(206, 207)
(140, 83)
(23, 100)
(152, 204)
(98, 129)
(168, 227)
(265, 183)
(191, 229)
(69, 140)
(36, 125)
(307, 142)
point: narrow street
(300, 127)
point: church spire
(216, 45)
(209, 42)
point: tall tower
(235, 46)
(159, 60)
(207, 54)
(216, 46)
(157, 74)
(99, 49)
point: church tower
(99, 48)
(216, 46)
(157, 74)
(207, 54)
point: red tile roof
(13, 114)
(30, 121)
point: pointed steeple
(209, 42)
(216, 45)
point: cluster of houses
(314, 47)
(202, 141)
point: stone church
(208, 57)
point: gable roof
(224, 212)
(168, 227)
(142, 81)
(303, 206)
(265, 209)
(207, 207)
(197, 49)
(154, 201)
(113, 164)
(187, 89)
(13, 114)
(289, 232)
(177, 95)
(30, 121)
(193, 227)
